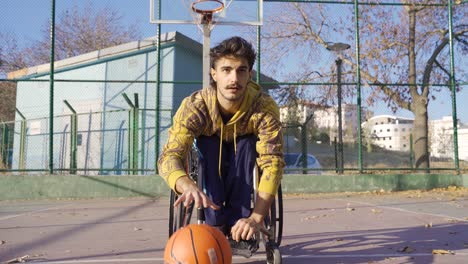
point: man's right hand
(191, 193)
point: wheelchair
(273, 223)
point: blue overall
(232, 191)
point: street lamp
(338, 48)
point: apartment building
(326, 118)
(441, 138)
(389, 132)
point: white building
(302, 112)
(389, 132)
(463, 143)
(441, 139)
(326, 118)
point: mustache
(234, 86)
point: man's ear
(213, 74)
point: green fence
(363, 86)
(83, 143)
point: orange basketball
(198, 243)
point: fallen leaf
(428, 225)
(406, 250)
(2, 242)
(18, 260)
(307, 218)
(350, 209)
(376, 211)
(442, 252)
(136, 229)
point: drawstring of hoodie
(220, 150)
(235, 139)
(221, 145)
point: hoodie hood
(209, 96)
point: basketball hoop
(206, 9)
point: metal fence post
(51, 89)
(4, 145)
(411, 151)
(73, 137)
(22, 149)
(132, 134)
(453, 89)
(136, 115)
(304, 148)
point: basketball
(198, 243)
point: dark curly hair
(236, 47)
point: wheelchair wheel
(274, 222)
(273, 256)
(180, 216)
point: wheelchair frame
(181, 216)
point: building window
(396, 129)
(404, 145)
(375, 131)
(403, 129)
(380, 130)
(390, 146)
(389, 138)
(388, 130)
(383, 138)
(79, 139)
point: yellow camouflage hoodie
(199, 115)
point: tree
(10, 60)
(407, 47)
(83, 30)
(78, 31)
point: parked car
(294, 164)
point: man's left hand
(245, 228)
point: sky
(26, 18)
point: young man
(235, 125)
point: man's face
(231, 75)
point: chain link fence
(397, 85)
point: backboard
(235, 12)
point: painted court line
(343, 256)
(404, 210)
(33, 212)
(123, 260)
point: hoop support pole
(206, 55)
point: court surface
(379, 227)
